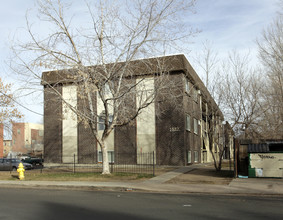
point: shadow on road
(61, 211)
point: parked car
(33, 160)
(22, 157)
(8, 164)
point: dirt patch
(159, 170)
(204, 175)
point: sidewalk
(251, 186)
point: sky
(227, 24)
(233, 24)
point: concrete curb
(242, 189)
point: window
(101, 125)
(187, 86)
(195, 156)
(110, 156)
(195, 126)
(19, 131)
(189, 156)
(40, 133)
(188, 123)
(195, 95)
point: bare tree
(237, 90)
(241, 91)
(271, 54)
(8, 111)
(238, 94)
(115, 33)
(207, 60)
(209, 63)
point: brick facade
(52, 126)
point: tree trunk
(105, 161)
(219, 167)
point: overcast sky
(228, 24)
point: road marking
(187, 205)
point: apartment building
(185, 133)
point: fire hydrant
(21, 171)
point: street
(67, 204)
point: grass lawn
(57, 176)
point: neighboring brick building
(7, 147)
(27, 138)
(179, 136)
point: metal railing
(140, 163)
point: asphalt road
(63, 204)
